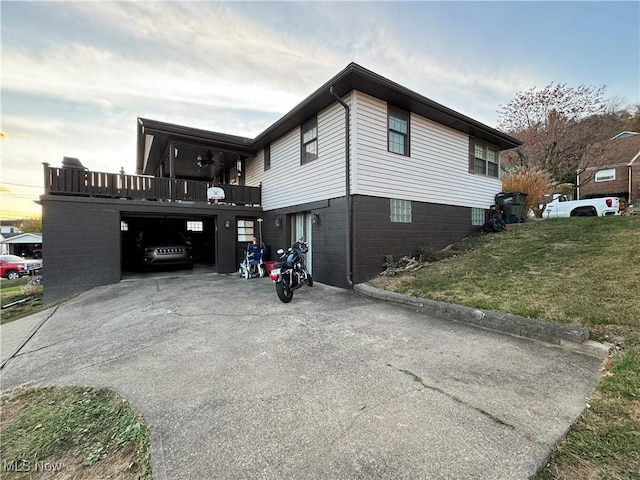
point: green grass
(575, 271)
(14, 290)
(85, 432)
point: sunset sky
(76, 75)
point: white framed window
(124, 226)
(195, 225)
(246, 230)
(309, 141)
(477, 216)
(400, 210)
(606, 175)
(398, 138)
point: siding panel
(288, 183)
(437, 171)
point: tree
(631, 122)
(32, 224)
(557, 125)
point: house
(614, 169)
(363, 168)
(22, 244)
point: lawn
(72, 432)
(577, 271)
(12, 291)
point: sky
(77, 75)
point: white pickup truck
(561, 206)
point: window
(484, 159)
(195, 225)
(477, 216)
(400, 211)
(267, 157)
(309, 141)
(124, 226)
(398, 141)
(606, 175)
(246, 230)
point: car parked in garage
(158, 247)
(13, 266)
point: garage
(166, 243)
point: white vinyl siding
(437, 170)
(288, 183)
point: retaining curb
(575, 338)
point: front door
(301, 228)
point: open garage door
(160, 243)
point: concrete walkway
(236, 384)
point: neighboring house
(614, 169)
(21, 244)
(420, 176)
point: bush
(535, 182)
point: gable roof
(22, 238)
(353, 77)
(619, 151)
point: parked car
(158, 247)
(13, 266)
(561, 206)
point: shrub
(535, 182)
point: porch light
(278, 223)
(315, 219)
(227, 223)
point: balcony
(78, 182)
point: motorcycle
(290, 273)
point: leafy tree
(557, 125)
(32, 224)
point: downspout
(347, 186)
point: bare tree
(557, 125)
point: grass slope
(576, 271)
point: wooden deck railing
(69, 181)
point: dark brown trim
(407, 146)
(312, 121)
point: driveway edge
(574, 338)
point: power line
(21, 185)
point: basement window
(400, 211)
(477, 216)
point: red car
(12, 266)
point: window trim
(402, 115)
(485, 158)
(305, 157)
(610, 175)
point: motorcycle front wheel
(284, 292)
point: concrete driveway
(236, 384)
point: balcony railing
(70, 181)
